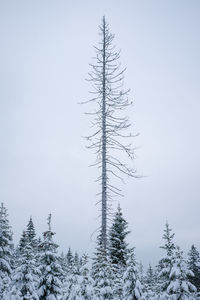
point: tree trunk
(104, 171)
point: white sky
(45, 49)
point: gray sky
(45, 49)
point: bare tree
(110, 124)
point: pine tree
(193, 264)
(180, 286)
(132, 288)
(111, 125)
(118, 247)
(6, 252)
(26, 276)
(49, 283)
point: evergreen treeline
(35, 270)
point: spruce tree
(132, 288)
(19, 250)
(70, 259)
(102, 273)
(165, 264)
(63, 263)
(150, 282)
(26, 276)
(28, 237)
(80, 285)
(6, 252)
(169, 246)
(22, 242)
(86, 281)
(71, 285)
(193, 264)
(118, 247)
(49, 283)
(180, 287)
(141, 272)
(76, 259)
(31, 235)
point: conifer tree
(165, 264)
(26, 276)
(150, 282)
(193, 264)
(22, 242)
(132, 288)
(180, 287)
(169, 246)
(49, 283)
(118, 247)
(102, 273)
(63, 263)
(28, 237)
(117, 272)
(71, 285)
(31, 235)
(6, 251)
(19, 250)
(85, 287)
(76, 259)
(141, 273)
(111, 125)
(70, 258)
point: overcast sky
(45, 51)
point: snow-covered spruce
(49, 284)
(193, 264)
(80, 284)
(28, 237)
(102, 274)
(71, 284)
(22, 243)
(150, 283)
(86, 281)
(180, 287)
(118, 250)
(118, 247)
(63, 263)
(132, 288)
(26, 276)
(70, 260)
(31, 235)
(165, 264)
(6, 252)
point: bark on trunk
(104, 175)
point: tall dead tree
(110, 124)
